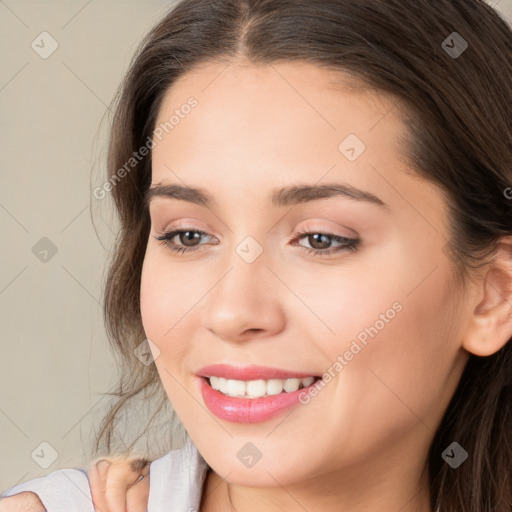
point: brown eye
(319, 241)
(188, 239)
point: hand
(24, 501)
(119, 484)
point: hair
(458, 111)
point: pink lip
(252, 372)
(247, 410)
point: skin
(361, 443)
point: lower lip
(247, 410)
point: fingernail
(102, 464)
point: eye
(318, 242)
(188, 236)
(189, 240)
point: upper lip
(252, 372)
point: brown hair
(460, 137)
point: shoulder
(22, 502)
(65, 490)
(176, 482)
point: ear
(490, 325)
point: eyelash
(349, 244)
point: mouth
(252, 394)
(257, 406)
(259, 388)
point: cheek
(405, 355)
(171, 297)
(153, 302)
(168, 299)
(393, 325)
(162, 304)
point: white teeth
(291, 385)
(258, 388)
(274, 387)
(214, 382)
(235, 387)
(308, 381)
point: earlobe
(490, 327)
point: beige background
(54, 359)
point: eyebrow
(287, 196)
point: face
(373, 320)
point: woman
(316, 248)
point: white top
(175, 484)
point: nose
(245, 303)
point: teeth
(215, 382)
(308, 381)
(235, 387)
(292, 385)
(258, 388)
(275, 386)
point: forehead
(258, 127)
(292, 99)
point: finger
(97, 477)
(137, 496)
(120, 477)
